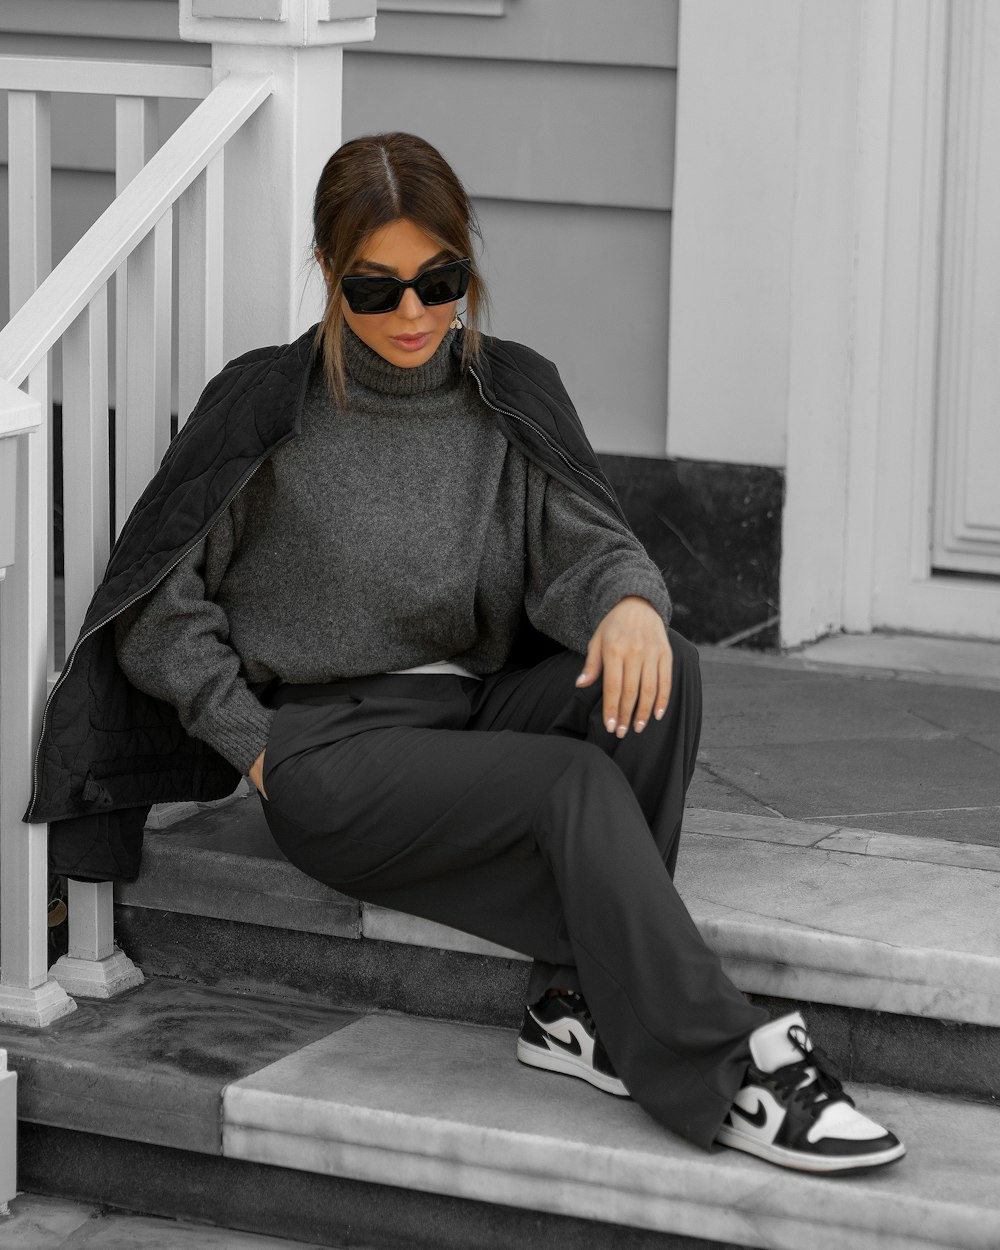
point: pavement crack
(723, 780)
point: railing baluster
(86, 485)
(136, 125)
(92, 929)
(27, 994)
(199, 346)
(29, 132)
(158, 299)
(147, 363)
(30, 191)
(92, 967)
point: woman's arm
(174, 645)
(592, 587)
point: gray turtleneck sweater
(399, 530)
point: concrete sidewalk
(35, 1222)
(893, 734)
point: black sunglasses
(371, 293)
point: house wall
(576, 220)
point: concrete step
(381, 1130)
(897, 956)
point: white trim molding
(454, 8)
(278, 23)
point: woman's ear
(321, 261)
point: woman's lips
(411, 342)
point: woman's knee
(687, 663)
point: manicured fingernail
(640, 725)
(611, 724)
(580, 678)
(622, 730)
(660, 713)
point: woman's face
(410, 334)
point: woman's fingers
(612, 665)
(592, 664)
(632, 667)
(256, 772)
(665, 682)
(648, 691)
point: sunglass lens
(442, 285)
(371, 295)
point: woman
(420, 624)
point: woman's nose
(410, 306)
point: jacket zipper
(124, 608)
(507, 412)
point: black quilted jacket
(107, 751)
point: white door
(937, 539)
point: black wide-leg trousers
(504, 808)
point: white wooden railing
(131, 243)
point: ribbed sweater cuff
(650, 588)
(238, 731)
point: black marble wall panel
(714, 531)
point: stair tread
(151, 1064)
(445, 1107)
(796, 910)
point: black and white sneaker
(559, 1034)
(789, 1111)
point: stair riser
(908, 1052)
(319, 1210)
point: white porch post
(272, 292)
(777, 256)
(28, 994)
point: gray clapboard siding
(587, 287)
(560, 134)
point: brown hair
(368, 183)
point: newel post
(29, 996)
(272, 291)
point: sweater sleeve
(174, 645)
(580, 563)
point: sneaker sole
(807, 1163)
(568, 1065)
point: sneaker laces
(810, 1082)
(577, 1004)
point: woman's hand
(256, 773)
(631, 647)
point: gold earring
(456, 324)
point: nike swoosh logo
(757, 1118)
(573, 1045)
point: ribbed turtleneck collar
(376, 373)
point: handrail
(64, 294)
(19, 413)
(128, 78)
